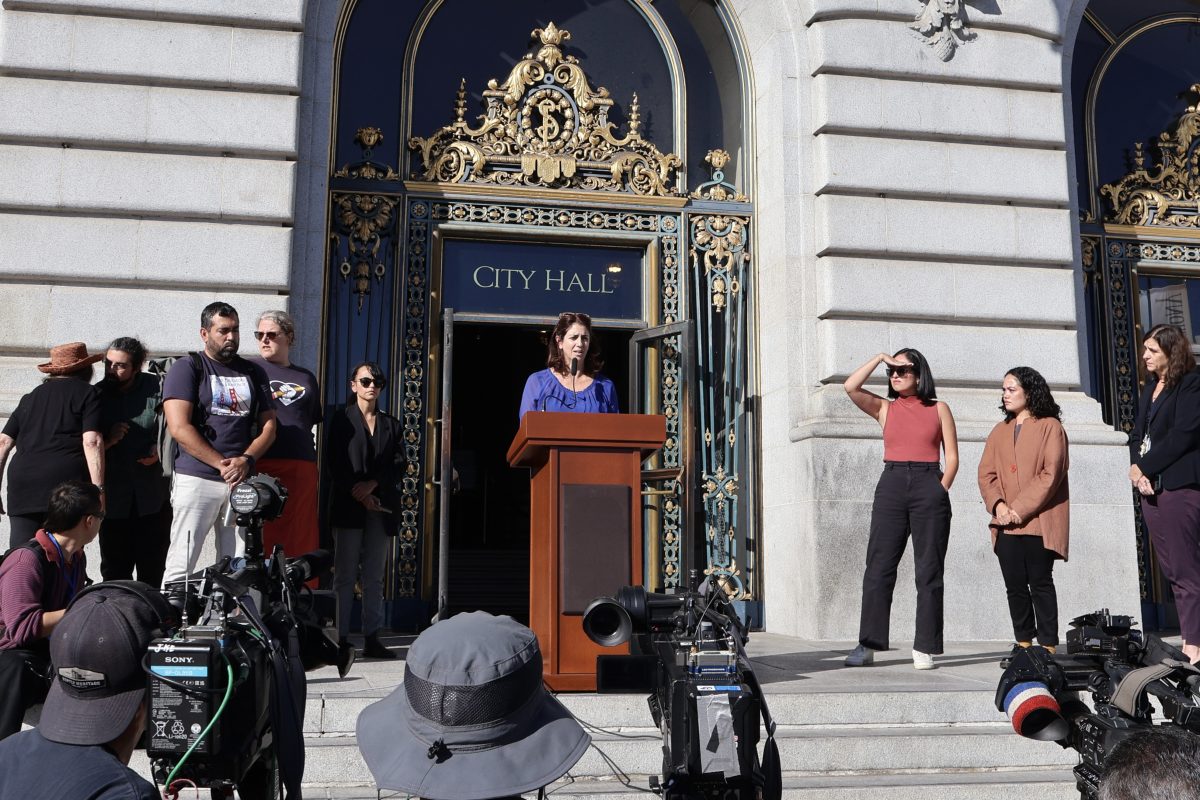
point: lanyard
(62, 559)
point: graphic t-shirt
(297, 409)
(228, 399)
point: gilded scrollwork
(1166, 194)
(545, 126)
(718, 188)
(719, 245)
(367, 169)
(720, 262)
(366, 222)
(942, 24)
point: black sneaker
(373, 648)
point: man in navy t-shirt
(222, 419)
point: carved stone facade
(942, 24)
(873, 227)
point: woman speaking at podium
(572, 379)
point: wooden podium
(585, 526)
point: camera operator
(96, 709)
(38, 579)
(1159, 763)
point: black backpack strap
(199, 415)
(49, 574)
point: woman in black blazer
(362, 457)
(1165, 450)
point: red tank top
(912, 432)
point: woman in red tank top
(911, 498)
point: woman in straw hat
(55, 430)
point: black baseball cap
(97, 650)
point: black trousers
(909, 500)
(22, 527)
(136, 543)
(23, 684)
(1028, 570)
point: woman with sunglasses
(571, 380)
(293, 455)
(1023, 480)
(363, 456)
(912, 497)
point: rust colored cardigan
(1031, 477)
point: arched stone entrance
(535, 176)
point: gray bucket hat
(472, 719)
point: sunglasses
(901, 371)
(270, 336)
(367, 383)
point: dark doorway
(489, 514)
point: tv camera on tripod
(688, 653)
(227, 691)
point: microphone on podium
(574, 372)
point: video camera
(227, 691)
(1121, 670)
(688, 653)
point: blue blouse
(543, 392)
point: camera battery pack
(177, 717)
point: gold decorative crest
(546, 126)
(1167, 195)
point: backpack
(50, 584)
(163, 437)
(49, 576)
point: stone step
(861, 733)
(331, 712)
(813, 751)
(335, 759)
(1044, 784)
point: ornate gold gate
(544, 163)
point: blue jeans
(366, 547)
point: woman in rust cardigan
(1023, 480)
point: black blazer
(1174, 424)
(354, 455)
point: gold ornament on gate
(545, 126)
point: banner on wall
(1169, 306)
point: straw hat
(65, 358)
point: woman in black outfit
(1165, 450)
(362, 461)
(55, 431)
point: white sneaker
(922, 660)
(860, 656)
